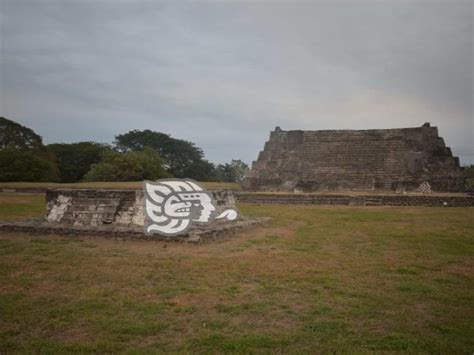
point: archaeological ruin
(120, 214)
(98, 207)
(403, 160)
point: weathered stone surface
(98, 207)
(120, 214)
(198, 235)
(360, 200)
(407, 159)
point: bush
(27, 165)
(146, 164)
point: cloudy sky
(224, 74)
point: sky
(223, 74)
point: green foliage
(155, 155)
(201, 170)
(233, 172)
(14, 135)
(75, 160)
(27, 165)
(128, 185)
(130, 166)
(23, 156)
(137, 140)
(182, 158)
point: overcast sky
(224, 74)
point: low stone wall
(109, 207)
(26, 190)
(363, 200)
(120, 214)
(218, 232)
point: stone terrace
(391, 159)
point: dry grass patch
(19, 206)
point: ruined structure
(120, 214)
(407, 159)
(120, 208)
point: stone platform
(404, 159)
(216, 232)
(97, 207)
(440, 200)
(120, 214)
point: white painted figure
(173, 205)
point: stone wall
(120, 214)
(199, 235)
(108, 207)
(358, 200)
(391, 159)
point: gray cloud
(224, 74)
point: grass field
(317, 279)
(15, 206)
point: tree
(240, 169)
(233, 172)
(23, 156)
(130, 166)
(14, 135)
(182, 158)
(27, 165)
(201, 170)
(137, 140)
(75, 160)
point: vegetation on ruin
(316, 279)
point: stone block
(393, 159)
(109, 207)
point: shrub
(146, 164)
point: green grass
(102, 185)
(317, 279)
(19, 206)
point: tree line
(133, 156)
